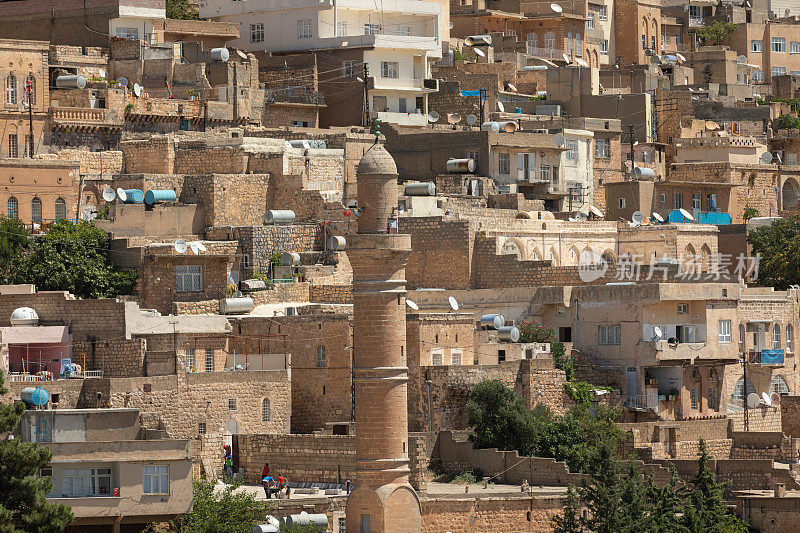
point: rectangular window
(712, 403)
(696, 200)
(685, 333)
(622, 203)
(189, 278)
(501, 355)
(256, 33)
(756, 46)
(405, 31)
(436, 358)
(209, 360)
(28, 146)
(604, 47)
(678, 200)
(711, 202)
(724, 332)
(155, 479)
(544, 173)
(13, 146)
(695, 13)
(455, 358)
(608, 335)
(128, 33)
(231, 404)
(201, 428)
(190, 359)
(341, 28)
(526, 167)
(778, 44)
(778, 71)
(602, 148)
(794, 47)
(349, 69)
(401, 105)
(43, 430)
(693, 397)
(504, 163)
(590, 21)
(757, 75)
(85, 482)
(572, 150)
(683, 309)
(389, 69)
(304, 29)
(372, 29)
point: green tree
(716, 33)
(74, 257)
(535, 331)
(223, 511)
(786, 122)
(499, 418)
(14, 240)
(779, 247)
(181, 9)
(23, 507)
(665, 504)
(569, 521)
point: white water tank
(220, 55)
(337, 243)
(278, 217)
(24, 316)
(230, 306)
(426, 188)
(508, 334)
(461, 165)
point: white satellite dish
(637, 217)
(753, 400)
(137, 89)
(193, 247)
(241, 54)
(686, 213)
(742, 59)
(472, 120)
(556, 8)
(479, 52)
(453, 303)
(766, 158)
(200, 246)
(501, 107)
(765, 397)
(122, 80)
(559, 139)
(412, 304)
(581, 62)
(109, 194)
(566, 58)
(512, 87)
(778, 157)
(451, 25)
(433, 116)
(658, 217)
(121, 194)
(657, 332)
(180, 246)
(453, 118)
(679, 56)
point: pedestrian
(229, 463)
(265, 471)
(267, 482)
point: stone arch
(689, 252)
(739, 390)
(654, 30)
(573, 255)
(608, 257)
(552, 255)
(705, 255)
(595, 59)
(790, 196)
(779, 385)
(512, 247)
(535, 254)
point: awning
(765, 321)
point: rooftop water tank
(71, 82)
(273, 525)
(37, 396)
(290, 259)
(490, 126)
(493, 321)
(220, 54)
(304, 519)
(461, 165)
(508, 333)
(230, 306)
(134, 196)
(279, 217)
(426, 188)
(508, 126)
(166, 195)
(643, 173)
(336, 243)
(24, 316)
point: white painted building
(399, 38)
(135, 22)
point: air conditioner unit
(430, 84)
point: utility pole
(29, 88)
(482, 100)
(365, 120)
(744, 390)
(633, 156)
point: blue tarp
(718, 219)
(472, 93)
(771, 357)
(676, 216)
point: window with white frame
(741, 338)
(678, 200)
(341, 28)
(683, 309)
(778, 71)
(695, 13)
(85, 482)
(578, 45)
(572, 150)
(776, 337)
(756, 46)
(590, 20)
(455, 357)
(778, 44)
(602, 12)
(209, 360)
(201, 428)
(257, 33)
(349, 69)
(724, 331)
(696, 201)
(128, 33)
(265, 410)
(544, 173)
(604, 47)
(155, 479)
(570, 43)
(304, 29)
(28, 146)
(372, 29)
(608, 335)
(602, 148)
(693, 398)
(404, 31)
(789, 337)
(436, 357)
(757, 75)
(189, 359)
(13, 146)
(504, 163)
(389, 69)
(622, 203)
(794, 47)
(549, 40)
(189, 278)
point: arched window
(778, 385)
(61, 209)
(739, 392)
(741, 337)
(13, 207)
(578, 45)
(36, 209)
(265, 410)
(30, 90)
(776, 337)
(789, 339)
(11, 89)
(570, 43)
(322, 358)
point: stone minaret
(383, 500)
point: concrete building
(383, 500)
(774, 47)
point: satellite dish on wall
(121, 194)
(453, 303)
(122, 80)
(137, 89)
(679, 56)
(453, 118)
(657, 331)
(472, 120)
(765, 397)
(479, 52)
(559, 139)
(775, 399)
(412, 304)
(501, 107)
(686, 214)
(637, 217)
(180, 246)
(581, 62)
(197, 247)
(241, 54)
(433, 116)
(109, 194)
(566, 58)
(766, 158)
(556, 8)
(753, 400)
(742, 59)
(711, 125)
(512, 87)
(658, 217)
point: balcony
(401, 119)
(292, 96)
(77, 115)
(663, 350)
(772, 358)
(546, 53)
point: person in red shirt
(265, 471)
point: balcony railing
(547, 53)
(292, 97)
(82, 115)
(766, 357)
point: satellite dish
(711, 125)
(453, 303)
(193, 247)
(241, 54)
(122, 80)
(753, 400)
(472, 120)
(109, 194)
(180, 246)
(501, 107)
(657, 331)
(679, 56)
(200, 246)
(658, 217)
(686, 214)
(566, 58)
(765, 397)
(121, 194)
(137, 89)
(775, 399)
(453, 118)
(412, 304)
(511, 86)
(433, 116)
(637, 217)
(479, 52)
(766, 158)
(581, 217)
(742, 59)
(778, 157)
(559, 139)
(581, 62)
(451, 25)
(556, 8)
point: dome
(24, 316)
(376, 160)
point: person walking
(265, 471)
(267, 482)
(229, 463)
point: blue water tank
(35, 396)
(134, 196)
(152, 197)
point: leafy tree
(750, 212)
(569, 521)
(786, 122)
(13, 243)
(535, 331)
(779, 247)
(665, 504)
(23, 507)
(222, 511)
(499, 418)
(74, 258)
(716, 33)
(181, 9)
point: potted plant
(673, 394)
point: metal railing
(292, 97)
(549, 53)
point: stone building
(42, 191)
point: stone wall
(115, 357)
(465, 514)
(759, 419)
(335, 294)
(790, 415)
